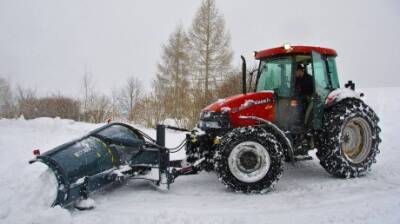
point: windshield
(276, 75)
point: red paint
(294, 50)
(263, 107)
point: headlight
(214, 120)
(206, 114)
(209, 124)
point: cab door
(322, 88)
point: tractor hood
(229, 112)
(240, 102)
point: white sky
(46, 44)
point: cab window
(333, 72)
(276, 75)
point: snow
(87, 203)
(340, 94)
(221, 101)
(226, 109)
(305, 193)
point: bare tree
(26, 102)
(100, 109)
(7, 107)
(171, 86)
(211, 46)
(115, 110)
(88, 93)
(129, 95)
(57, 105)
(230, 86)
(153, 114)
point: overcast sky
(48, 44)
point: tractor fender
(340, 94)
(277, 132)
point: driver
(304, 82)
(304, 88)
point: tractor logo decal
(250, 103)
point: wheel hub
(356, 140)
(249, 161)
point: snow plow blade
(111, 153)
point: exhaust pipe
(243, 74)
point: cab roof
(294, 50)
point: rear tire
(349, 140)
(249, 160)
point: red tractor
(245, 138)
(294, 105)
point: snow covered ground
(305, 194)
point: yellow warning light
(287, 47)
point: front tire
(249, 160)
(350, 139)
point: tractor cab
(297, 110)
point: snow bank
(305, 194)
(31, 200)
(28, 191)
